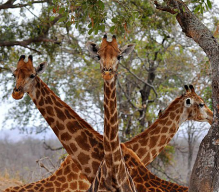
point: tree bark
(205, 173)
(145, 93)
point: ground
(5, 183)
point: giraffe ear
(127, 49)
(92, 48)
(160, 113)
(41, 68)
(12, 69)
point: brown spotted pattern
(150, 143)
(112, 174)
(73, 126)
(78, 138)
(144, 180)
(67, 178)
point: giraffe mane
(162, 115)
(70, 110)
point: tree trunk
(205, 173)
(145, 93)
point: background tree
(57, 31)
(205, 175)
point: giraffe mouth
(17, 94)
(107, 74)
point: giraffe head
(109, 55)
(191, 106)
(195, 106)
(25, 75)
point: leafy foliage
(161, 58)
(57, 31)
(202, 5)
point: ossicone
(189, 88)
(192, 88)
(30, 57)
(22, 57)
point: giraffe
(27, 74)
(188, 106)
(67, 177)
(112, 174)
(148, 144)
(87, 156)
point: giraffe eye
(188, 101)
(13, 75)
(32, 76)
(97, 57)
(119, 57)
(201, 105)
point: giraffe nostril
(17, 89)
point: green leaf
(201, 10)
(209, 4)
(112, 29)
(90, 25)
(90, 31)
(101, 5)
(206, 6)
(101, 28)
(62, 19)
(96, 31)
(61, 10)
(69, 23)
(52, 18)
(114, 20)
(197, 9)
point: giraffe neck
(112, 174)
(60, 180)
(111, 141)
(70, 129)
(150, 143)
(144, 180)
(80, 131)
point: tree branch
(126, 95)
(140, 79)
(164, 8)
(205, 174)
(10, 4)
(41, 38)
(48, 147)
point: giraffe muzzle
(17, 93)
(107, 74)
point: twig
(39, 162)
(127, 97)
(140, 79)
(46, 146)
(164, 8)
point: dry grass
(7, 181)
